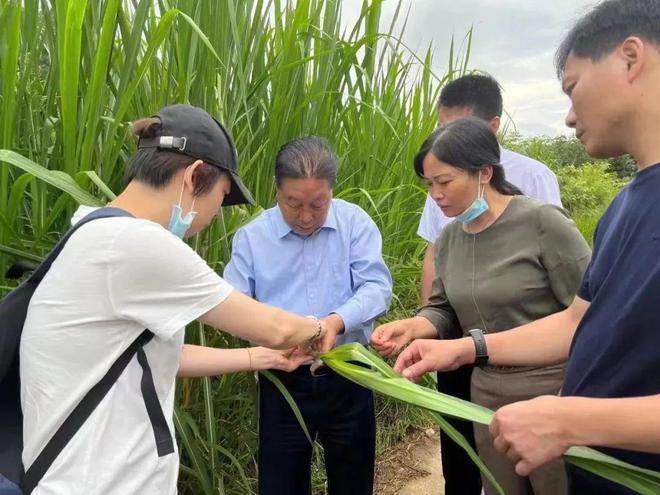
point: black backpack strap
(18, 300)
(162, 435)
(106, 212)
(93, 398)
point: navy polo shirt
(616, 349)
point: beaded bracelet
(319, 330)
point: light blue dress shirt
(337, 269)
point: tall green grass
(587, 185)
(74, 73)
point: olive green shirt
(527, 265)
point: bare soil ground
(411, 467)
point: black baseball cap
(193, 132)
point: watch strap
(481, 351)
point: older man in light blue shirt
(317, 256)
(339, 269)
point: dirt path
(411, 468)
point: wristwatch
(479, 346)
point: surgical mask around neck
(478, 207)
(179, 225)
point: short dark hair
(607, 25)
(479, 92)
(306, 157)
(156, 167)
(468, 144)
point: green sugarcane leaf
(16, 195)
(60, 180)
(292, 403)
(20, 254)
(189, 435)
(97, 86)
(457, 437)
(70, 78)
(98, 182)
(201, 35)
(380, 377)
(236, 463)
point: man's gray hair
(309, 157)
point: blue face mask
(179, 225)
(475, 210)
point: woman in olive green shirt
(505, 261)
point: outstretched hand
(390, 338)
(287, 360)
(425, 355)
(334, 326)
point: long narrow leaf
(19, 254)
(381, 378)
(99, 74)
(292, 403)
(457, 437)
(60, 180)
(98, 182)
(69, 78)
(187, 430)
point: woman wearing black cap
(121, 274)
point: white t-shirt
(531, 176)
(114, 278)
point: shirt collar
(282, 228)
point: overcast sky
(513, 40)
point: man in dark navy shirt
(609, 65)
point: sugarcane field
(329, 247)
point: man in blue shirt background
(317, 256)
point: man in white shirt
(480, 96)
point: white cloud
(514, 40)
